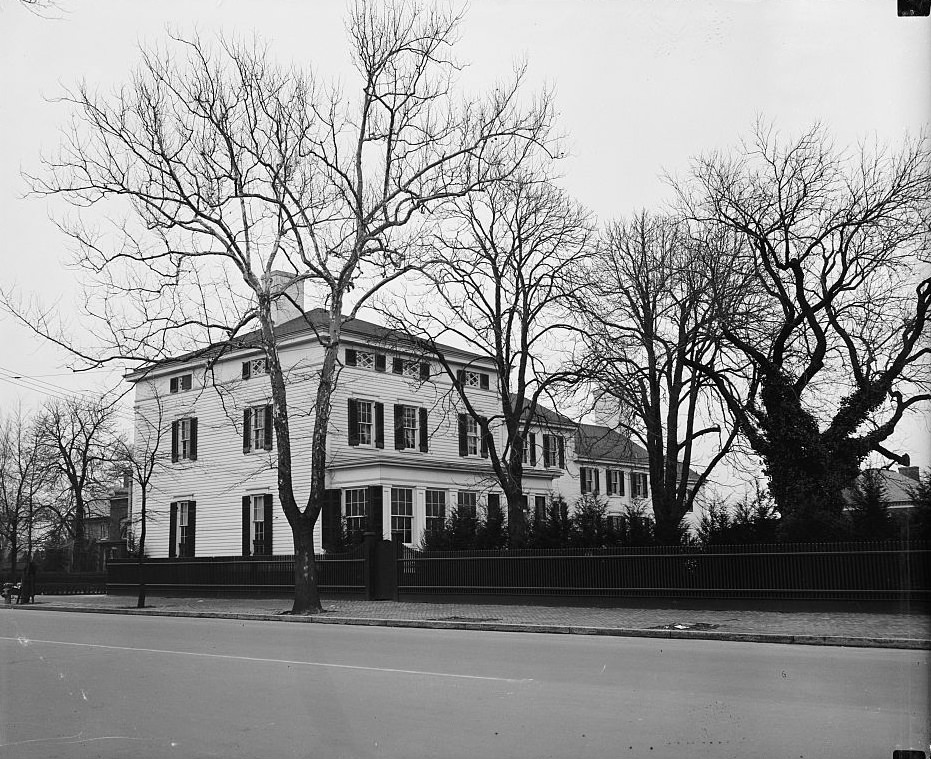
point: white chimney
(283, 309)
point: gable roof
(596, 442)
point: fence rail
(874, 571)
(336, 573)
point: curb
(915, 644)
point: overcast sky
(641, 86)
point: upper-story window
(410, 428)
(473, 379)
(257, 428)
(254, 367)
(366, 423)
(365, 359)
(181, 383)
(184, 439)
(638, 484)
(530, 450)
(410, 368)
(554, 451)
(614, 482)
(588, 479)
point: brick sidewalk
(905, 630)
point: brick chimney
(910, 472)
(283, 309)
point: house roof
(309, 322)
(897, 486)
(593, 441)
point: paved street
(92, 685)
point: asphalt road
(85, 685)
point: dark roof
(897, 486)
(309, 322)
(546, 416)
(596, 442)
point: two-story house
(401, 450)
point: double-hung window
(181, 529)
(472, 433)
(554, 451)
(258, 524)
(436, 510)
(614, 482)
(365, 422)
(402, 514)
(468, 502)
(355, 510)
(409, 426)
(638, 484)
(588, 477)
(257, 431)
(184, 439)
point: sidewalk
(836, 628)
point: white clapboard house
(401, 451)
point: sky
(641, 86)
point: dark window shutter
(353, 422)
(373, 510)
(397, 365)
(379, 362)
(331, 516)
(597, 484)
(350, 357)
(494, 502)
(173, 385)
(483, 381)
(246, 430)
(379, 425)
(561, 447)
(424, 432)
(269, 422)
(463, 436)
(609, 484)
(246, 527)
(398, 427)
(246, 369)
(424, 370)
(583, 479)
(191, 527)
(620, 483)
(483, 435)
(533, 449)
(173, 531)
(174, 441)
(268, 524)
(193, 443)
(460, 377)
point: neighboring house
(401, 451)
(106, 524)
(898, 487)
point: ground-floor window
(181, 529)
(355, 510)
(436, 510)
(539, 507)
(402, 514)
(257, 531)
(257, 525)
(468, 502)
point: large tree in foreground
(237, 179)
(648, 319)
(500, 284)
(835, 315)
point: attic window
(181, 383)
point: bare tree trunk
(140, 599)
(306, 591)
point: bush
(635, 526)
(869, 509)
(592, 528)
(553, 528)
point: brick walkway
(909, 629)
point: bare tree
(24, 483)
(500, 281)
(835, 253)
(142, 459)
(648, 319)
(77, 439)
(229, 168)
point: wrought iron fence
(336, 573)
(890, 570)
